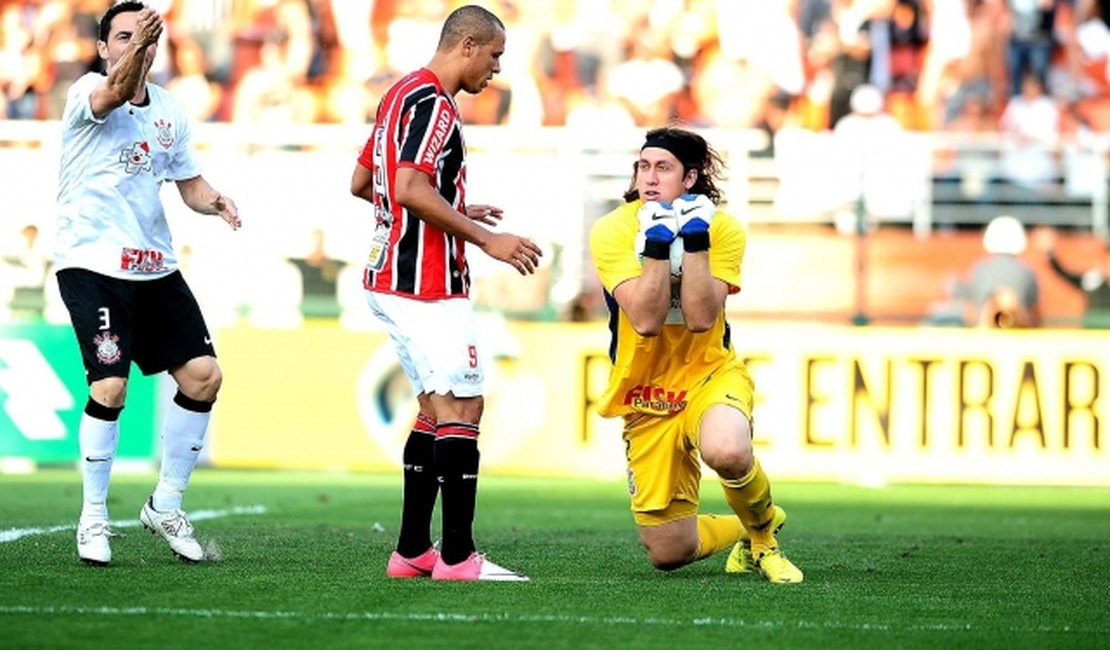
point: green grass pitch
(301, 560)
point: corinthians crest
(165, 133)
(107, 348)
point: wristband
(657, 250)
(695, 242)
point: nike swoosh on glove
(694, 213)
(658, 222)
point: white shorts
(435, 340)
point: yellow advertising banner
(864, 405)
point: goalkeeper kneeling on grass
(668, 259)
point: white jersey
(110, 216)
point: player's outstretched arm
(123, 80)
(202, 198)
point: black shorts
(155, 323)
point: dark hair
(469, 20)
(693, 152)
(117, 9)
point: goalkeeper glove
(658, 225)
(694, 213)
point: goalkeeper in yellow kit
(676, 379)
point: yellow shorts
(664, 467)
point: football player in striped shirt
(413, 171)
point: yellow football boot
(740, 557)
(775, 567)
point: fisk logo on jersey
(143, 261)
(165, 133)
(655, 398)
(136, 158)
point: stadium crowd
(721, 63)
(1036, 72)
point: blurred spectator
(593, 111)
(1032, 25)
(275, 36)
(773, 118)
(26, 28)
(725, 92)
(1084, 150)
(907, 40)
(210, 24)
(875, 162)
(1093, 45)
(1094, 282)
(909, 36)
(1065, 71)
(648, 81)
(973, 164)
(765, 36)
(199, 96)
(513, 96)
(520, 68)
(319, 276)
(23, 275)
(982, 70)
(71, 48)
(357, 75)
(949, 44)
(842, 48)
(1002, 290)
(413, 31)
(268, 94)
(811, 15)
(710, 63)
(1030, 126)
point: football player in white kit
(122, 138)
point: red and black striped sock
(456, 460)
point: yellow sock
(716, 533)
(750, 498)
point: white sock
(182, 439)
(97, 440)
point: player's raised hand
(227, 210)
(487, 214)
(148, 27)
(694, 213)
(519, 252)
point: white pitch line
(455, 617)
(14, 534)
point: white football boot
(92, 542)
(175, 528)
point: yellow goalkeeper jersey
(654, 375)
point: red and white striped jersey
(417, 125)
